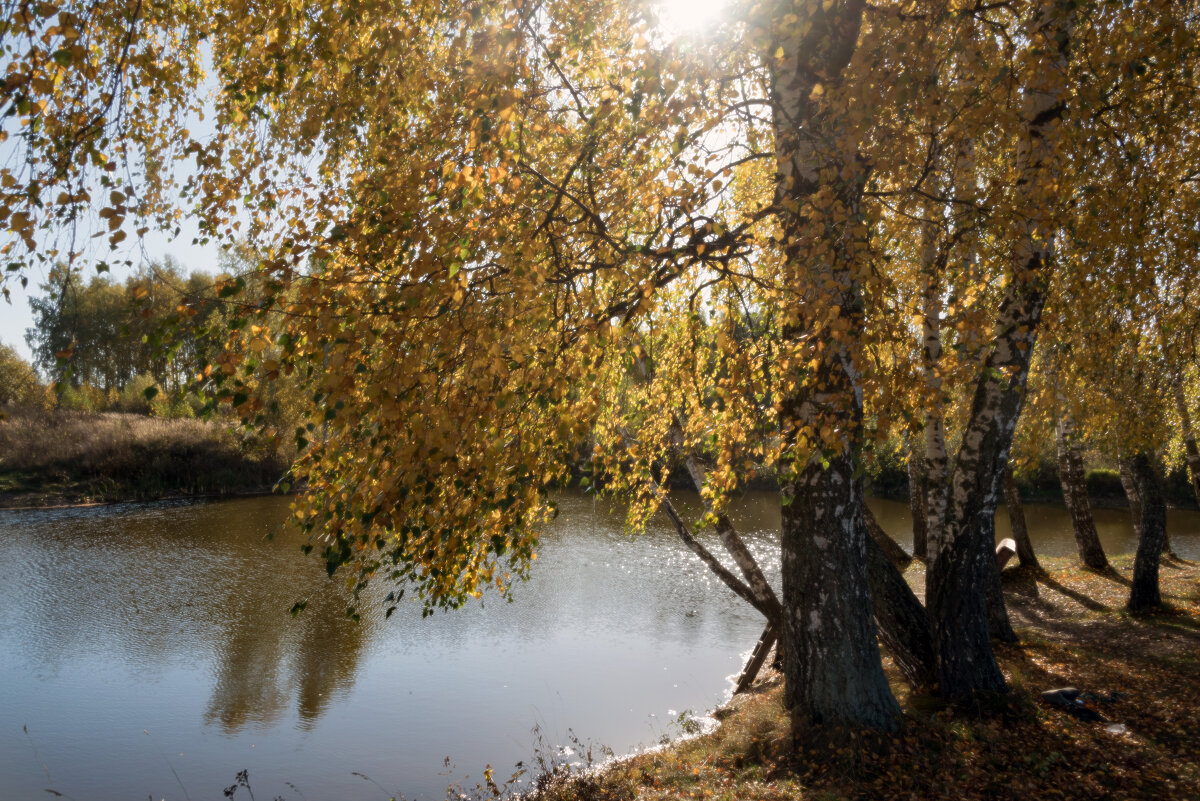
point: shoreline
(62, 500)
(1142, 672)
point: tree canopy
(492, 234)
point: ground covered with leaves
(1140, 674)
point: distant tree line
(112, 344)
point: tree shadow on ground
(1078, 597)
(1111, 574)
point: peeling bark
(1144, 593)
(833, 675)
(1016, 516)
(1075, 495)
(957, 579)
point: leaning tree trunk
(890, 547)
(733, 543)
(1189, 435)
(903, 623)
(1144, 594)
(1075, 495)
(832, 670)
(1016, 517)
(917, 501)
(957, 579)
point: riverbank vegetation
(120, 416)
(484, 234)
(55, 457)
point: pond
(147, 650)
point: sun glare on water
(689, 17)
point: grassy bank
(66, 457)
(1143, 673)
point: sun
(689, 17)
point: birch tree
(473, 216)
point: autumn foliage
(491, 235)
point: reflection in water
(262, 663)
(173, 619)
(326, 658)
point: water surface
(148, 649)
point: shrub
(19, 384)
(132, 397)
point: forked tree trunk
(1189, 435)
(832, 670)
(917, 502)
(957, 579)
(1016, 516)
(1144, 594)
(1075, 495)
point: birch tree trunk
(1075, 495)
(1134, 496)
(1144, 594)
(832, 670)
(958, 577)
(1016, 516)
(936, 458)
(1129, 484)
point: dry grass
(74, 457)
(1144, 672)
